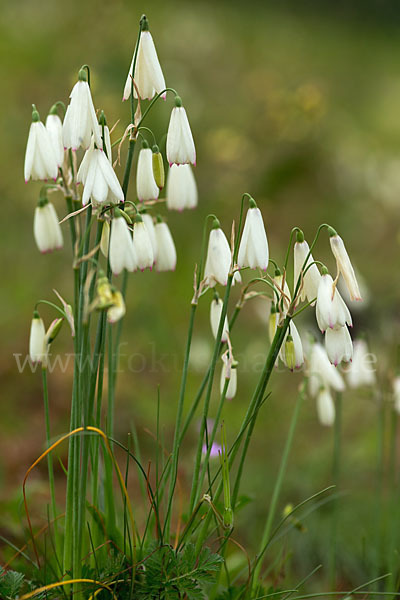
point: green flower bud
(158, 169)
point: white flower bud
(37, 348)
(148, 221)
(339, 345)
(312, 277)
(105, 239)
(143, 247)
(230, 373)
(253, 248)
(344, 265)
(321, 372)
(361, 371)
(331, 311)
(146, 186)
(181, 188)
(325, 408)
(80, 121)
(219, 259)
(40, 160)
(165, 256)
(215, 317)
(180, 144)
(46, 228)
(148, 75)
(54, 129)
(291, 352)
(122, 252)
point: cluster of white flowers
(131, 238)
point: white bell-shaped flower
(312, 277)
(325, 407)
(181, 188)
(100, 182)
(180, 144)
(37, 345)
(339, 345)
(55, 128)
(80, 121)
(253, 248)
(321, 372)
(361, 371)
(148, 221)
(143, 246)
(344, 265)
(165, 255)
(215, 317)
(331, 310)
(218, 262)
(121, 252)
(40, 160)
(148, 75)
(291, 352)
(46, 227)
(146, 186)
(228, 372)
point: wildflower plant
(116, 230)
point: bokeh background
(294, 102)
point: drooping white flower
(80, 121)
(142, 244)
(228, 372)
(99, 179)
(312, 277)
(40, 160)
(180, 144)
(339, 345)
(46, 228)
(291, 352)
(396, 393)
(148, 75)
(117, 310)
(54, 129)
(344, 265)
(121, 252)
(181, 188)
(361, 371)
(325, 407)
(321, 372)
(219, 258)
(331, 310)
(165, 255)
(37, 347)
(215, 317)
(146, 186)
(148, 221)
(253, 248)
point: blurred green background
(297, 104)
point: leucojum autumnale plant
(98, 548)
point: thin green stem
(278, 484)
(336, 481)
(50, 458)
